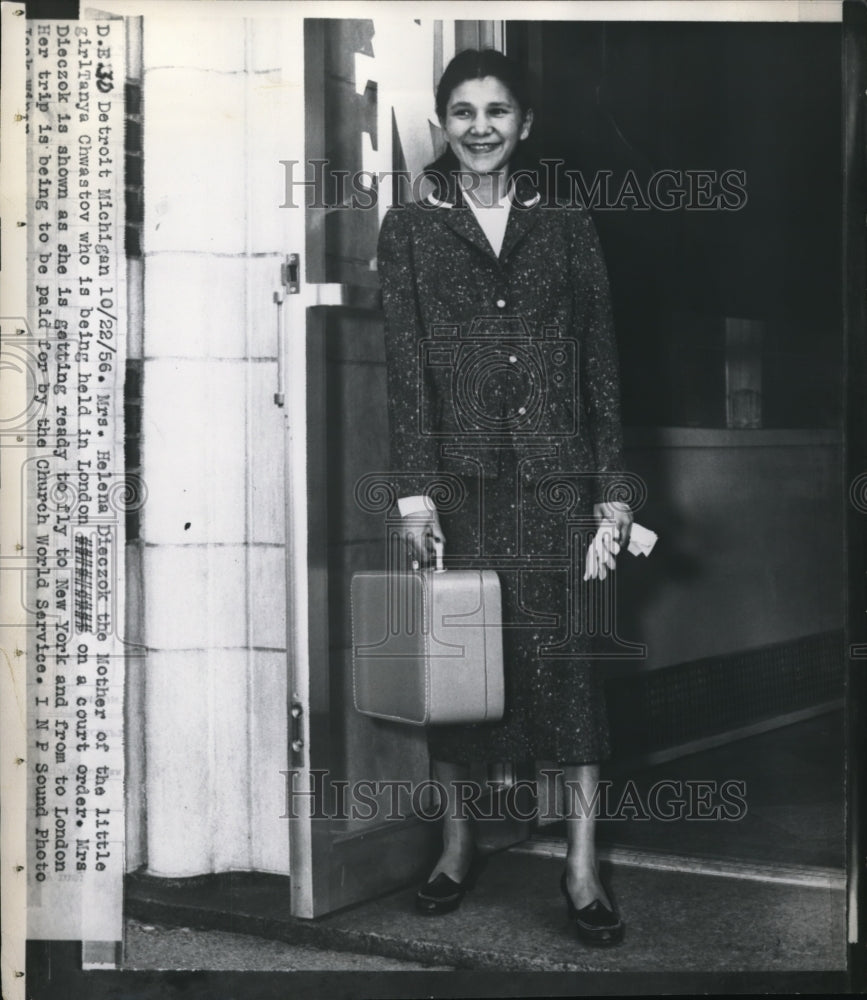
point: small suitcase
(428, 646)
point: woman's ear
(527, 123)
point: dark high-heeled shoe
(595, 923)
(443, 894)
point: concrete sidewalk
(148, 946)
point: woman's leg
(458, 840)
(582, 876)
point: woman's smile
(482, 147)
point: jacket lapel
(463, 221)
(521, 221)
(457, 215)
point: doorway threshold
(808, 876)
(514, 921)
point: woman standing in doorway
(481, 264)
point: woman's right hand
(421, 530)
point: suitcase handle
(439, 547)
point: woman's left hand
(615, 518)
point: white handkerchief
(641, 540)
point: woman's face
(483, 124)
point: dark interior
(759, 98)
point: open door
(359, 101)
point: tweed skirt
(554, 694)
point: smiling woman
(484, 123)
(484, 108)
(520, 394)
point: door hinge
(289, 273)
(296, 741)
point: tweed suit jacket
(491, 355)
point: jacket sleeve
(410, 396)
(598, 365)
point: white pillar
(215, 700)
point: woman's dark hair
(475, 64)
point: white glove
(602, 551)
